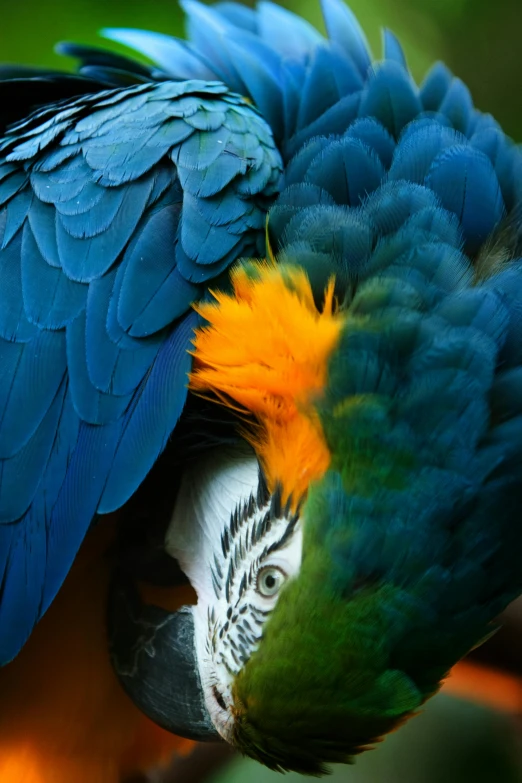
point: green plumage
(402, 572)
(325, 692)
(410, 198)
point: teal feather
(411, 198)
(94, 219)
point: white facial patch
(238, 546)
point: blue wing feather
(40, 365)
(206, 28)
(85, 261)
(150, 263)
(238, 15)
(16, 213)
(91, 405)
(393, 49)
(22, 472)
(14, 324)
(94, 221)
(105, 358)
(320, 89)
(81, 463)
(345, 31)
(145, 195)
(288, 34)
(23, 557)
(12, 183)
(259, 67)
(94, 327)
(149, 423)
(174, 56)
(42, 220)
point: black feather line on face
(263, 516)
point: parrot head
(364, 534)
(341, 554)
(280, 656)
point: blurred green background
(479, 39)
(453, 741)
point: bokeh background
(455, 740)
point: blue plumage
(150, 420)
(51, 299)
(100, 197)
(39, 365)
(348, 169)
(14, 324)
(120, 207)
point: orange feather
(265, 352)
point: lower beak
(154, 656)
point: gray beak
(153, 654)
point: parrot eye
(269, 581)
(219, 698)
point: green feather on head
(343, 566)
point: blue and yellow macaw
(261, 394)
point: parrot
(261, 340)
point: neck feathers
(265, 352)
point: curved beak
(154, 656)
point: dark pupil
(219, 698)
(270, 581)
